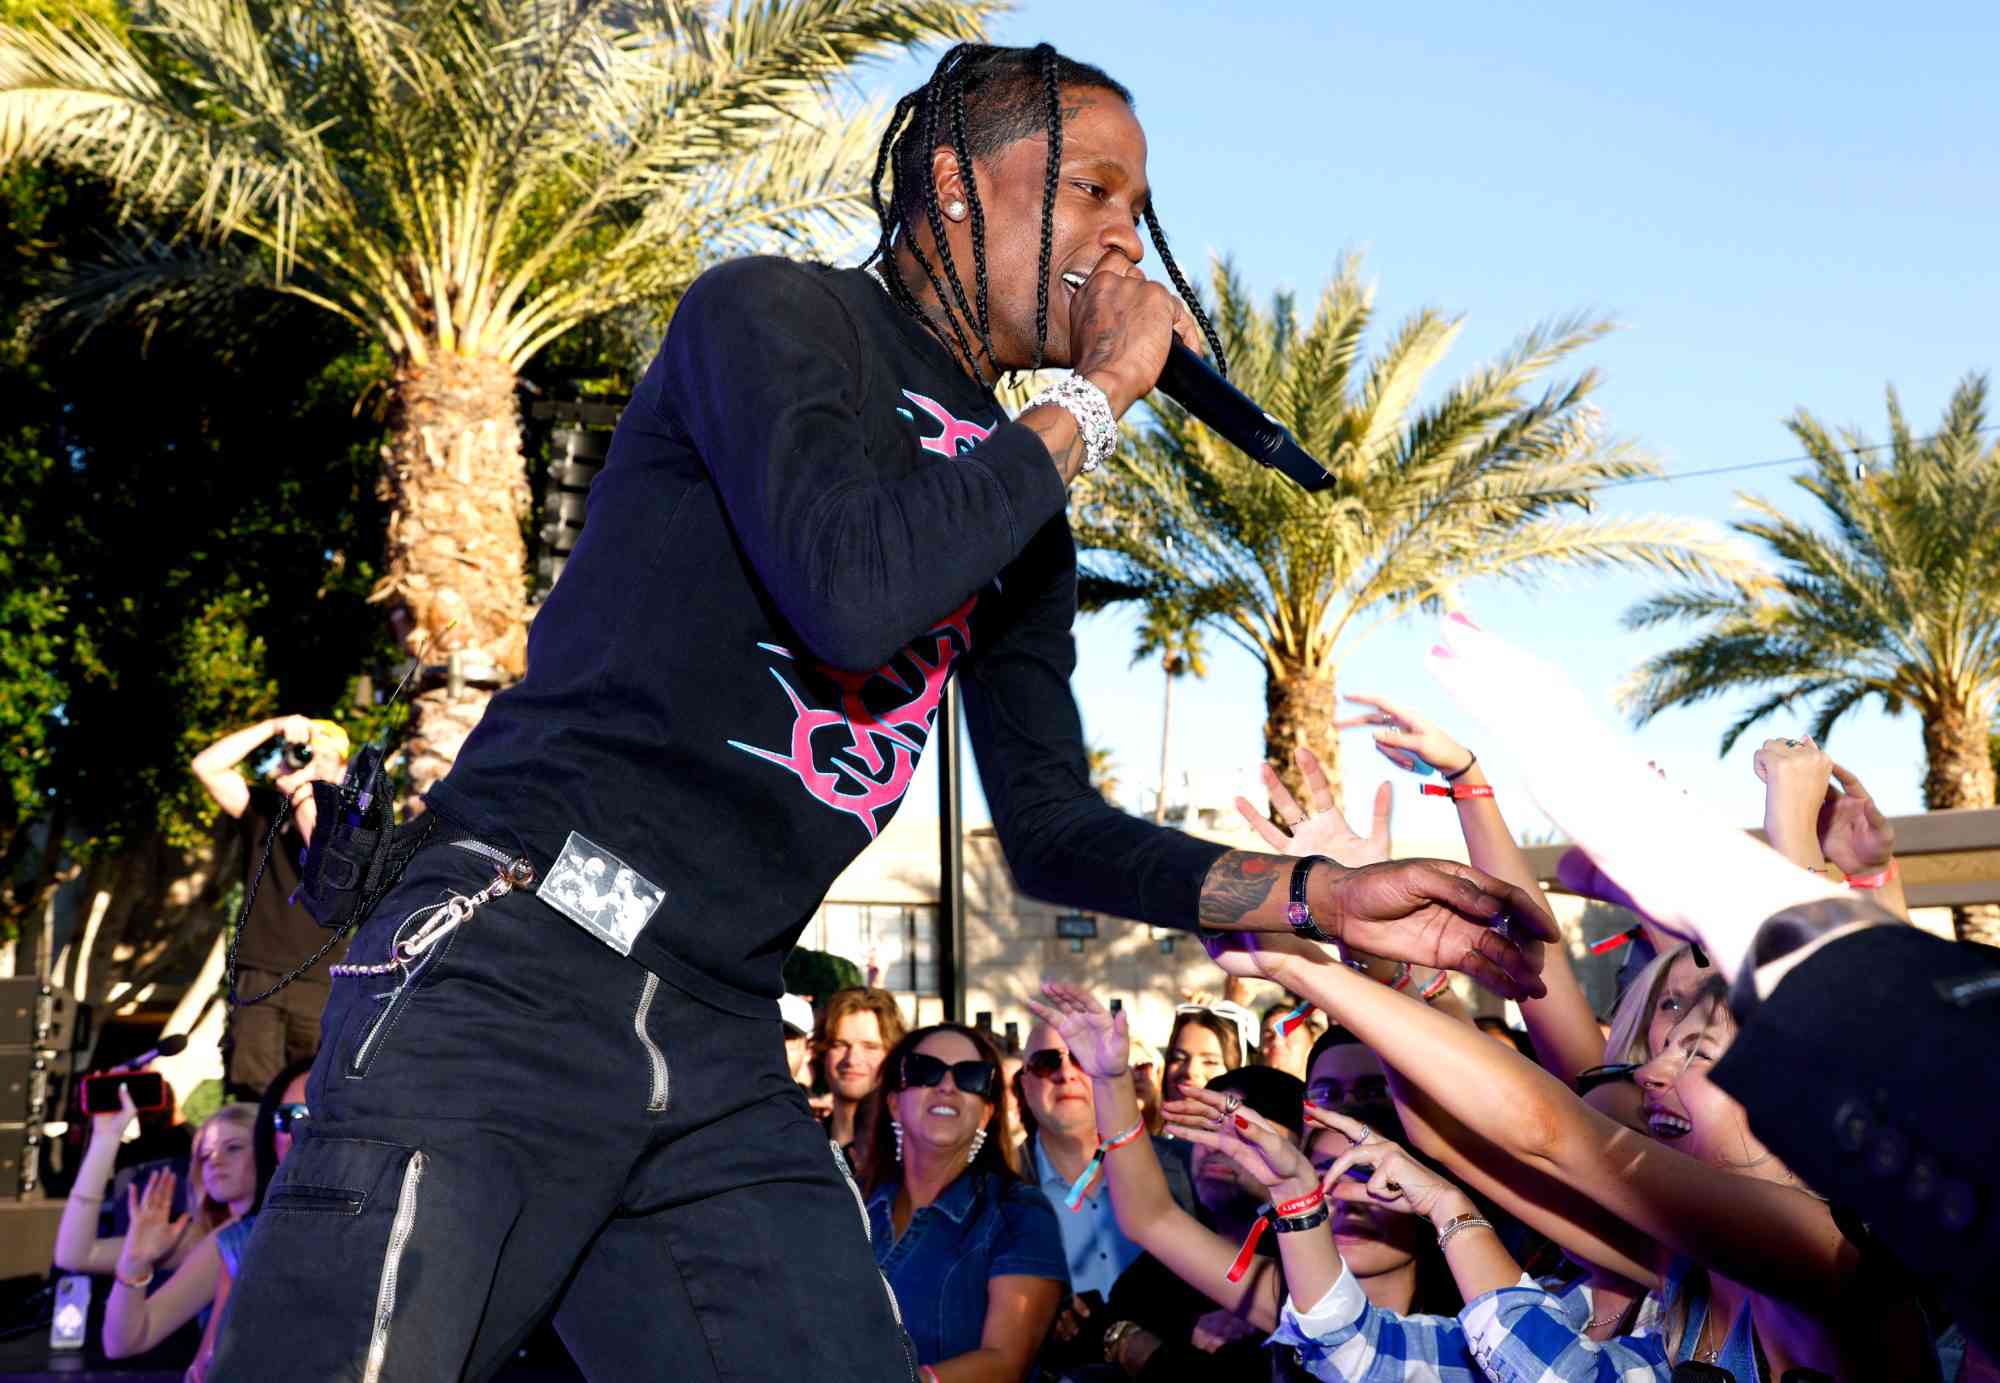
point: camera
(291, 756)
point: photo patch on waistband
(600, 892)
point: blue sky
(1783, 205)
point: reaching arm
(204, 1357)
(1146, 1211)
(78, 1249)
(1769, 1237)
(1560, 1023)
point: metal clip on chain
(455, 911)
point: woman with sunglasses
(973, 1252)
(281, 1120)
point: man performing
(813, 513)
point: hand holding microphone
(1131, 336)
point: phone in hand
(100, 1092)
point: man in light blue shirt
(1062, 1134)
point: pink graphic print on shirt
(865, 771)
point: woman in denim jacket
(972, 1251)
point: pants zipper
(392, 1260)
(657, 1099)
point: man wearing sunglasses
(1062, 1121)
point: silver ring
(1791, 744)
(1231, 1105)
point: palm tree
(1103, 769)
(1171, 632)
(1893, 597)
(462, 183)
(1483, 482)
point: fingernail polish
(1242, 1122)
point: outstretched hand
(1405, 739)
(1853, 834)
(1324, 829)
(1098, 1040)
(1448, 916)
(1262, 1149)
(1394, 1179)
(154, 1230)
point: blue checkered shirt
(1521, 1334)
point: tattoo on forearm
(1237, 885)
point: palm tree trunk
(456, 560)
(1298, 712)
(1166, 724)
(1958, 772)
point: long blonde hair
(1634, 1014)
(206, 1214)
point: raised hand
(1410, 743)
(153, 1231)
(112, 1125)
(1853, 834)
(1447, 916)
(1394, 1179)
(1323, 830)
(1245, 1137)
(1098, 1039)
(1794, 774)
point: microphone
(169, 1046)
(1195, 385)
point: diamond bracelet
(1086, 403)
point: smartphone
(100, 1092)
(69, 1324)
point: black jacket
(1871, 1070)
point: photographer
(278, 935)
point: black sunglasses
(285, 1115)
(1589, 1080)
(1048, 1062)
(972, 1077)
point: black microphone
(169, 1046)
(1195, 385)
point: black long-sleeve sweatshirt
(808, 520)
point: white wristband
(1086, 403)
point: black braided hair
(991, 97)
(1193, 303)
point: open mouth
(942, 1111)
(1667, 1126)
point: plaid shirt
(1522, 1334)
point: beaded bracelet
(1074, 1199)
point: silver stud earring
(956, 211)
(897, 1129)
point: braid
(1052, 90)
(964, 153)
(1187, 294)
(951, 78)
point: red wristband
(1615, 940)
(1457, 792)
(1304, 1205)
(1875, 880)
(1249, 1249)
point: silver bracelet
(1462, 1222)
(1086, 403)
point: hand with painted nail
(1269, 1155)
(1406, 739)
(1378, 1171)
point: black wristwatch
(1297, 912)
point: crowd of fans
(1363, 1181)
